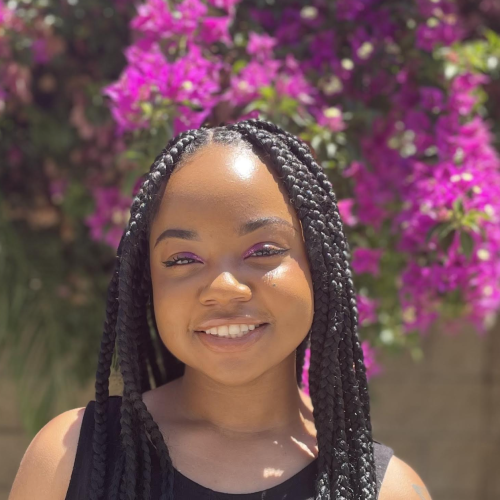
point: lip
(234, 320)
(224, 344)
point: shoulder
(401, 482)
(47, 464)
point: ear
(401, 482)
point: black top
(298, 487)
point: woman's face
(222, 270)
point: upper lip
(234, 320)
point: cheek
(171, 311)
(293, 299)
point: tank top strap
(382, 454)
(82, 469)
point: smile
(232, 331)
(225, 342)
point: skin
(239, 412)
(237, 404)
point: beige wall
(441, 416)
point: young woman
(233, 262)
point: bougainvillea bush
(391, 96)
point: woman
(235, 259)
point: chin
(233, 374)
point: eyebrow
(245, 228)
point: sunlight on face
(209, 258)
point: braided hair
(337, 374)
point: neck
(268, 404)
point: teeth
(231, 331)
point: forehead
(225, 184)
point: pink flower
(345, 210)
(215, 29)
(261, 46)
(305, 371)
(366, 260)
(330, 117)
(227, 5)
(366, 309)
(372, 367)
(110, 216)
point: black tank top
(298, 487)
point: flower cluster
(424, 175)
(170, 67)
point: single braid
(100, 437)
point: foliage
(391, 95)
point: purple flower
(110, 216)
(305, 371)
(369, 354)
(215, 29)
(155, 20)
(349, 10)
(431, 99)
(40, 51)
(191, 78)
(227, 5)
(366, 260)
(261, 47)
(440, 24)
(367, 309)
(345, 209)
(330, 117)
(292, 82)
(245, 86)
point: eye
(182, 260)
(179, 261)
(268, 251)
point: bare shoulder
(401, 482)
(46, 467)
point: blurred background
(400, 101)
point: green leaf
(129, 181)
(77, 202)
(447, 239)
(437, 229)
(288, 105)
(147, 109)
(268, 93)
(458, 206)
(467, 243)
(258, 104)
(239, 65)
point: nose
(224, 289)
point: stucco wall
(442, 416)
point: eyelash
(275, 251)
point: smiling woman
(216, 249)
(233, 262)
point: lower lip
(225, 344)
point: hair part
(337, 374)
